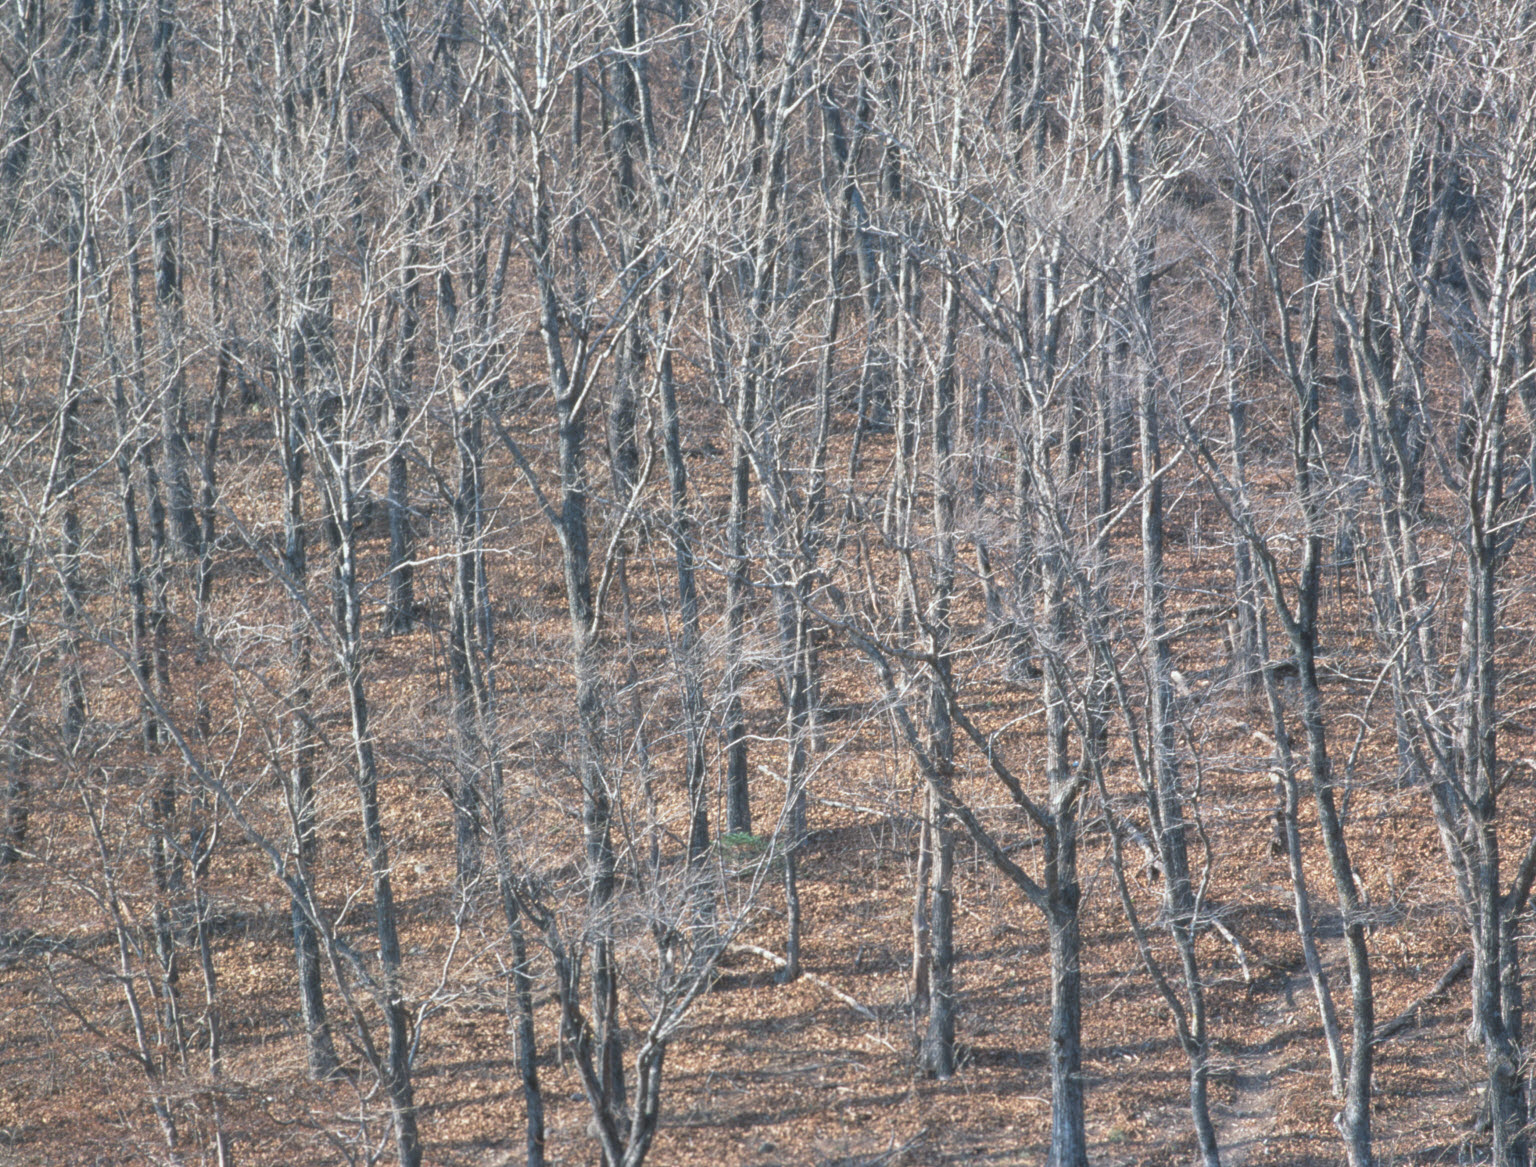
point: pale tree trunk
(773, 107)
(1167, 805)
(569, 386)
(1298, 618)
(299, 772)
(62, 483)
(939, 1042)
(1243, 627)
(1058, 898)
(696, 774)
(463, 631)
(681, 528)
(395, 1065)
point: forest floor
(764, 1074)
(771, 1074)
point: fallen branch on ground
(779, 962)
(1410, 1016)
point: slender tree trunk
(939, 1044)
(399, 612)
(1244, 624)
(738, 799)
(922, 914)
(396, 1066)
(1167, 804)
(62, 483)
(299, 777)
(690, 665)
(462, 635)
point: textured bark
(939, 1043)
(690, 664)
(62, 484)
(400, 611)
(738, 798)
(170, 310)
(1166, 804)
(395, 1067)
(462, 640)
(1063, 895)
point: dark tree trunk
(738, 798)
(1069, 1139)
(462, 637)
(395, 1069)
(18, 785)
(399, 612)
(169, 309)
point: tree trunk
(396, 1067)
(399, 612)
(169, 311)
(1069, 1139)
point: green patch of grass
(744, 853)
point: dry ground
(764, 1074)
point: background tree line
(610, 417)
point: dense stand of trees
(1129, 360)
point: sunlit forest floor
(763, 1073)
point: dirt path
(1246, 1125)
